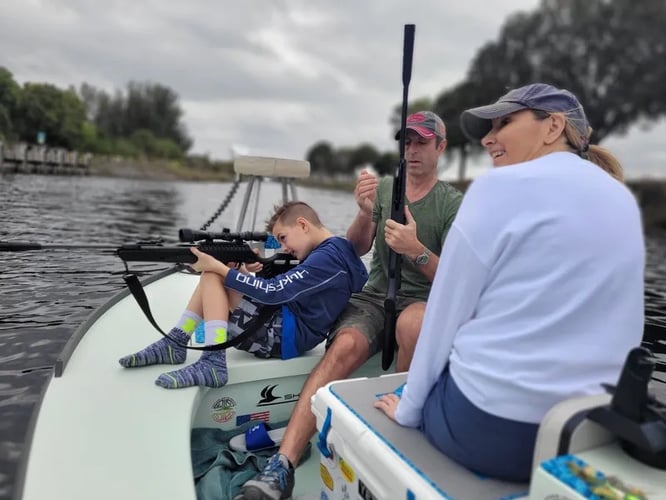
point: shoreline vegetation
(171, 170)
(650, 192)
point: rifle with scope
(225, 246)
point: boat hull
(106, 432)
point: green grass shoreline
(164, 170)
(650, 193)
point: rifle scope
(192, 235)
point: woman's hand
(388, 403)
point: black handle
(389, 334)
(407, 53)
(631, 393)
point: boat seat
(565, 429)
(271, 167)
(256, 168)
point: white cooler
(368, 456)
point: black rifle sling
(265, 312)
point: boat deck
(106, 432)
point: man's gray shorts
(365, 312)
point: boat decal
(267, 394)
(364, 492)
(270, 399)
(223, 410)
(326, 477)
(347, 471)
(264, 416)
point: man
(430, 208)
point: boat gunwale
(59, 368)
(76, 337)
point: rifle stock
(222, 251)
(397, 206)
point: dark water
(45, 295)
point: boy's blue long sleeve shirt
(313, 294)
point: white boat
(103, 432)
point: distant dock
(35, 159)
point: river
(46, 294)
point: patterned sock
(210, 371)
(216, 331)
(189, 321)
(162, 352)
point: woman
(538, 295)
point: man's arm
(361, 232)
(428, 269)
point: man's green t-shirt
(434, 214)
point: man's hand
(402, 238)
(388, 403)
(365, 191)
(208, 263)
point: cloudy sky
(270, 77)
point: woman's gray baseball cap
(477, 122)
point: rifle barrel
(26, 246)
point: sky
(273, 78)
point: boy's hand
(254, 267)
(208, 263)
(365, 191)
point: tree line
(610, 53)
(145, 119)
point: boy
(311, 295)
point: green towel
(219, 471)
